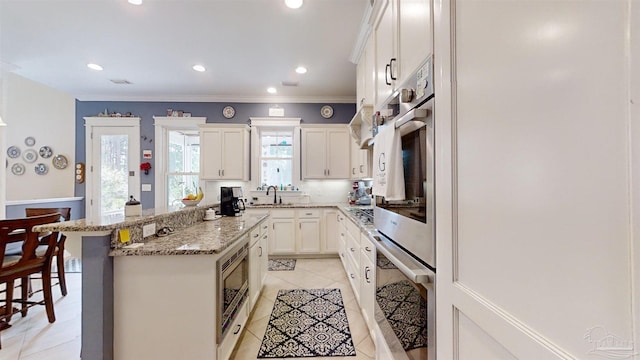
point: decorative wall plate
(326, 111)
(46, 152)
(30, 155)
(228, 112)
(30, 141)
(60, 162)
(13, 152)
(17, 169)
(41, 169)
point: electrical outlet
(148, 230)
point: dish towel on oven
(388, 172)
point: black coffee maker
(231, 202)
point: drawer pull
(237, 330)
(367, 248)
(260, 247)
(308, 213)
(352, 276)
(256, 235)
(352, 249)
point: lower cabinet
(231, 339)
(308, 236)
(258, 261)
(330, 236)
(283, 232)
(367, 279)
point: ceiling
(245, 45)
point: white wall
(534, 218)
(32, 109)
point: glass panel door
(115, 174)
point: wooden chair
(59, 250)
(30, 262)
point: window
(183, 165)
(276, 156)
(177, 159)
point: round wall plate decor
(30, 141)
(17, 169)
(60, 162)
(326, 111)
(30, 155)
(13, 152)
(46, 152)
(228, 112)
(41, 169)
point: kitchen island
(170, 279)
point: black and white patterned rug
(383, 263)
(307, 323)
(406, 311)
(282, 264)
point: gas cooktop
(364, 215)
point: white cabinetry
(415, 42)
(367, 279)
(365, 76)
(308, 237)
(224, 152)
(325, 152)
(360, 162)
(258, 260)
(283, 232)
(403, 40)
(330, 243)
(386, 67)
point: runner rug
(282, 264)
(307, 323)
(406, 312)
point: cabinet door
(233, 152)
(314, 164)
(264, 258)
(416, 42)
(367, 288)
(255, 282)
(330, 244)
(354, 173)
(210, 159)
(282, 238)
(385, 33)
(308, 236)
(365, 163)
(338, 151)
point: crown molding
(224, 98)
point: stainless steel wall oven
(233, 285)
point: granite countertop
(293, 206)
(206, 237)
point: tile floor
(33, 338)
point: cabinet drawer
(235, 331)
(283, 214)
(264, 227)
(254, 235)
(368, 249)
(353, 229)
(308, 213)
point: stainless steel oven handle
(422, 276)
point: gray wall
(309, 113)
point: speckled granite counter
(207, 237)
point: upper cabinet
(325, 152)
(403, 37)
(360, 162)
(224, 152)
(365, 75)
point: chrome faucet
(275, 190)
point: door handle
(366, 274)
(361, 170)
(218, 172)
(237, 330)
(260, 247)
(386, 74)
(391, 68)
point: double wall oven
(405, 230)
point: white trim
(363, 35)
(38, 201)
(233, 99)
(161, 125)
(267, 121)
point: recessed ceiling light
(301, 70)
(294, 4)
(272, 90)
(199, 68)
(94, 67)
(135, 2)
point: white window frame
(256, 124)
(163, 125)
